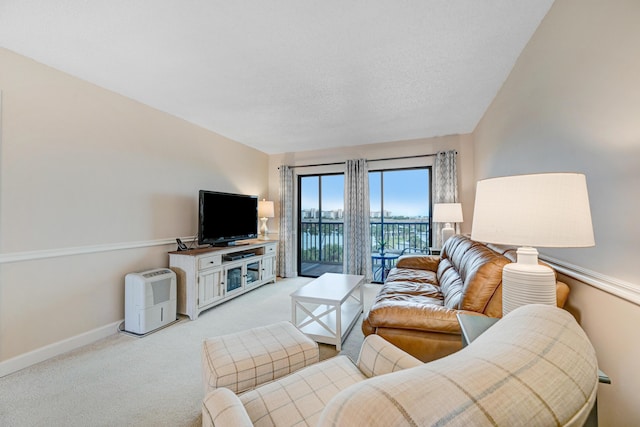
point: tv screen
(226, 217)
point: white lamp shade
(265, 209)
(539, 210)
(447, 212)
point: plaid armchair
(534, 367)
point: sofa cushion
(421, 313)
(419, 262)
(298, 399)
(405, 274)
(410, 288)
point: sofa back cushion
(470, 276)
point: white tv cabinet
(210, 276)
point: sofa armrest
(562, 293)
(222, 407)
(378, 357)
(419, 262)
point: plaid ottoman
(246, 359)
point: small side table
(384, 258)
(473, 326)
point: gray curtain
(286, 246)
(445, 187)
(357, 237)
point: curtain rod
(368, 160)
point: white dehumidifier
(150, 300)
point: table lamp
(543, 210)
(447, 213)
(265, 211)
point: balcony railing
(322, 247)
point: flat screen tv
(224, 218)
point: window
(400, 202)
(321, 228)
(400, 212)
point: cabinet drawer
(209, 261)
(270, 249)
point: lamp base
(527, 282)
(447, 231)
(264, 231)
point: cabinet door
(253, 274)
(269, 268)
(234, 278)
(210, 286)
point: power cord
(133, 334)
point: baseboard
(40, 355)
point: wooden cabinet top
(240, 246)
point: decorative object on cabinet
(265, 211)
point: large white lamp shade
(447, 213)
(265, 211)
(542, 210)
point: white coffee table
(330, 306)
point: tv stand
(210, 276)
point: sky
(406, 192)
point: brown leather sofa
(417, 305)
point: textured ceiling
(288, 75)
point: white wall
(572, 103)
(86, 177)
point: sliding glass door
(400, 202)
(400, 216)
(321, 202)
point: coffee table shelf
(313, 329)
(330, 306)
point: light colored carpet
(151, 381)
